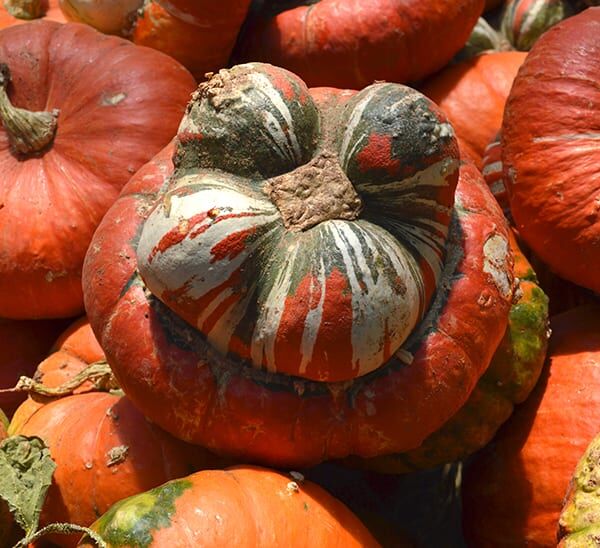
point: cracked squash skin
(242, 506)
(286, 343)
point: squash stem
(25, 9)
(28, 132)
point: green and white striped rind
(579, 523)
(253, 120)
(524, 21)
(330, 303)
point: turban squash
(524, 21)
(89, 110)
(243, 506)
(104, 448)
(200, 34)
(514, 488)
(352, 43)
(252, 310)
(551, 149)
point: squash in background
(200, 34)
(514, 488)
(551, 149)
(473, 94)
(96, 108)
(352, 43)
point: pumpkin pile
(306, 238)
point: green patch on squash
(132, 521)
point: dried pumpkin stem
(28, 132)
(24, 9)
(61, 529)
(99, 373)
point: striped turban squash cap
(298, 276)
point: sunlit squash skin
(214, 396)
(113, 106)
(353, 43)
(243, 506)
(513, 489)
(200, 34)
(550, 152)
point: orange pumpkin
(104, 448)
(352, 43)
(22, 345)
(102, 108)
(551, 152)
(244, 506)
(513, 490)
(74, 350)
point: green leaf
(26, 469)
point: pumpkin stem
(28, 132)
(99, 373)
(62, 529)
(25, 9)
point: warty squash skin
(117, 106)
(220, 399)
(243, 506)
(352, 43)
(200, 34)
(551, 152)
(579, 524)
(514, 488)
(472, 94)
